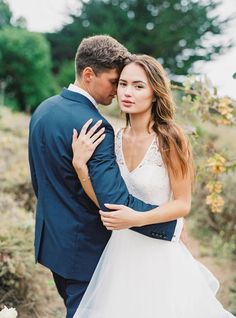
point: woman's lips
(127, 102)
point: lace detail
(118, 147)
(153, 156)
(149, 181)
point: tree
(6, 17)
(177, 31)
(25, 67)
(5, 14)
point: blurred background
(195, 42)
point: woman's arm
(123, 217)
(83, 147)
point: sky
(50, 15)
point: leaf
(234, 75)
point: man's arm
(110, 187)
(32, 169)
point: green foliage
(176, 31)
(5, 14)
(66, 74)
(25, 67)
(6, 17)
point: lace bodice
(149, 181)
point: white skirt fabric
(141, 277)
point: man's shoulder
(47, 102)
(52, 100)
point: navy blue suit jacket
(69, 235)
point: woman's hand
(120, 218)
(84, 145)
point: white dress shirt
(77, 89)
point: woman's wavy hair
(170, 135)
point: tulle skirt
(141, 277)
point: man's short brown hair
(101, 53)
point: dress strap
(118, 146)
(154, 155)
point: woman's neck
(140, 125)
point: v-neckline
(144, 157)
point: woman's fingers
(106, 224)
(110, 226)
(97, 135)
(74, 136)
(85, 127)
(89, 136)
(99, 140)
(114, 206)
(93, 129)
(107, 215)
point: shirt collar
(77, 89)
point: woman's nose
(128, 91)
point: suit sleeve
(110, 187)
(32, 170)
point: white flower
(8, 313)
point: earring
(154, 99)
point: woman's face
(134, 92)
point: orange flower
(216, 164)
(216, 202)
(215, 187)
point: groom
(69, 235)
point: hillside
(37, 296)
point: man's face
(103, 86)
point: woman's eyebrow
(139, 81)
(134, 82)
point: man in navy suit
(69, 235)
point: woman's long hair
(170, 135)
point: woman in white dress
(137, 276)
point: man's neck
(76, 87)
(80, 85)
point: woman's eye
(122, 84)
(138, 86)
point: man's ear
(88, 74)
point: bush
(216, 230)
(21, 282)
(25, 67)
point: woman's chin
(127, 110)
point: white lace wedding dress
(142, 277)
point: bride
(137, 276)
